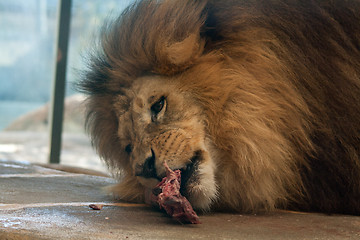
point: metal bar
(56, 107)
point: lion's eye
(158, 106)
(128, 148)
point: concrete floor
(42, 203)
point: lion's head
(214, 91)
(160, 122)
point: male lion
(256, 101)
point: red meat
(171, 199)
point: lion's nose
(147, 169)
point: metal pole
(56, 107)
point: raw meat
(167, 195)
(96, 206)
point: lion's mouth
(189, 175)
(197, 183)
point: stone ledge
(41, 203)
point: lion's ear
(178, 56)
(180, 53)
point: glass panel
(26, 68)
(26, 59)
(27, 44)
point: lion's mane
(279, 82)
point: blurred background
(28, 31)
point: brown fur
(267, 91)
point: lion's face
(157, 124)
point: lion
(256, 102)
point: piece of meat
(167, 195)
(96, 206)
